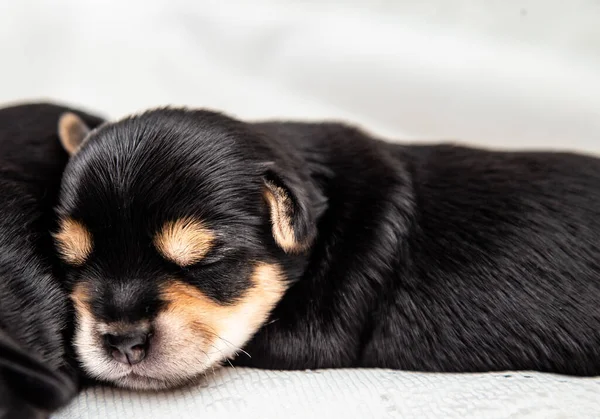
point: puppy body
(33, 308)
(441, 258)
(316, 246)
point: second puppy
(34, 375)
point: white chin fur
(138, 382)
(171, 358)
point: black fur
(34, 376)
(442, 258)
(430, 258)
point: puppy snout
(128, 348)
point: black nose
(128, 348)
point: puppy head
(179, 230)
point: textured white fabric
(345, 394)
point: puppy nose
(128, 348)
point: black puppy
(34, 378)
(190, 235)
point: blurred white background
(501, 73)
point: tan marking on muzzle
(80, 298)
(228, 326)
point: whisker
(212, 367)
(237, 349)
(244, 352)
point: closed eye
(214, 257)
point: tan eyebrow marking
(185, 241)
(74, 241)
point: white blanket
(346, 394)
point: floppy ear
(72, 131)
(295, 207)
(26, 382)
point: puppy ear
(28, 382)
(72, 131)
(295, 207)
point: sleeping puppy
(34, 377)
(191, 237)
